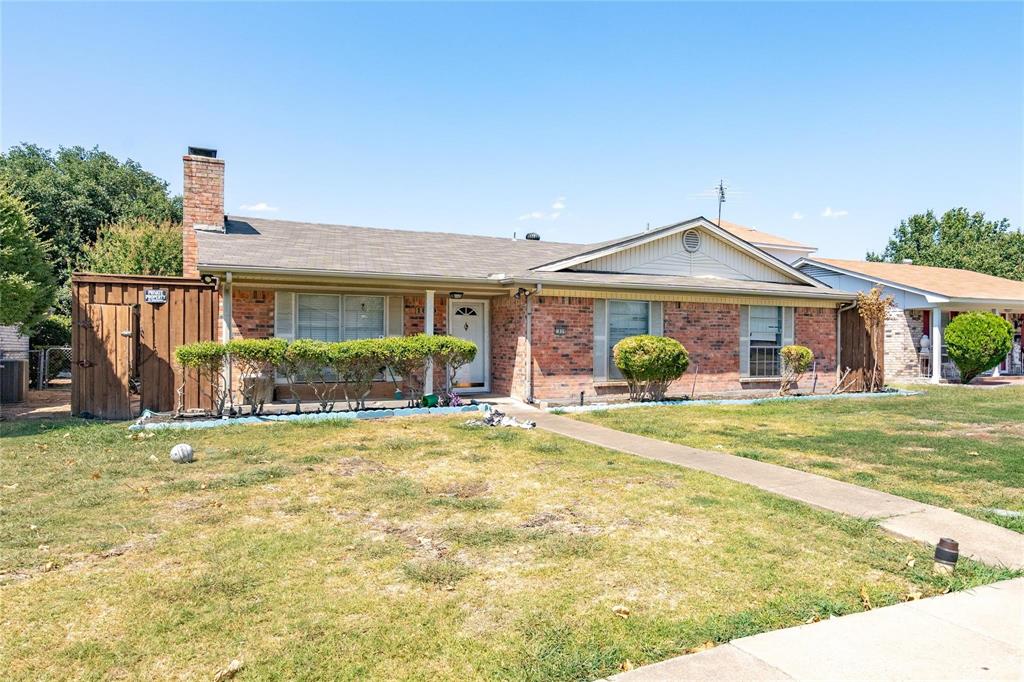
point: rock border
(309, 417)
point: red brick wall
(252, 313)
(508, 346)
(415, 307)
(563, 365)
(710, 332)
(202, 203)
(816, 329)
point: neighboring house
(926, 298)
(13, 343)
(784, 249)
(544, 315)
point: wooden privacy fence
(857, 354)
(124, 332)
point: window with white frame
(333, 317)
(765, 340)
(625, 318)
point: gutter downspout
(529, 343)
(839, 338)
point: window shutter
(284, 315)
(396, 316)
(600, 339)
(744, 341)
(787, 325)
(657, 320)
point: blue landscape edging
(737, 401)
(310, 417)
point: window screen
(317, 317)
(765, 340)
(625, 318)
(364, 317)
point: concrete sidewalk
(917, 521)
(973, 635)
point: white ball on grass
(182, 453)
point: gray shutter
(396, 316)
(284, 315)
(657, 321)
(744, 341)
(600, 339)
(787, 325)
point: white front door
(468, 321)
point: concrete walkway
(917, 521)
(973, 635)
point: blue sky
(579, 121)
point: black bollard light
(946, 554)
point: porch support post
(225, 335)
(936, 345)
(995, 370)
(428, 329)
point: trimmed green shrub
(796, 360)
(649, 364)
(358, 363)
(308, 361)
(977, 342)
(406, 357)
(205, 362)
(256, 360)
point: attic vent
(815, 271)
(691, 240)
(533, 236)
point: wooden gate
(115, 378)
(856, 353)
(103, 359)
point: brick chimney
(203, 202)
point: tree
(27, 288)
(75, 191)
(137, 247)
(977, 342)
(959, 239)
(873, 308)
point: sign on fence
(156, 296)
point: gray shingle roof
(280, 245)
(286, 245)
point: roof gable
(719, 254)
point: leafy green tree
(136, 247)
(27, 287)
(959, 239)
(74, 191)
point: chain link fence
(50, 367)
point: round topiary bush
(977, 342)
(649, 364)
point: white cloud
(259, 207)
(830, 213)
(797, 215)
(557, 206)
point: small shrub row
(351, 366)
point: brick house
(925, 300)
(545, 315)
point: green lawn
(955, 447)
(416, 548)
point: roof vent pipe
(533, 236)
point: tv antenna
(721, 199)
